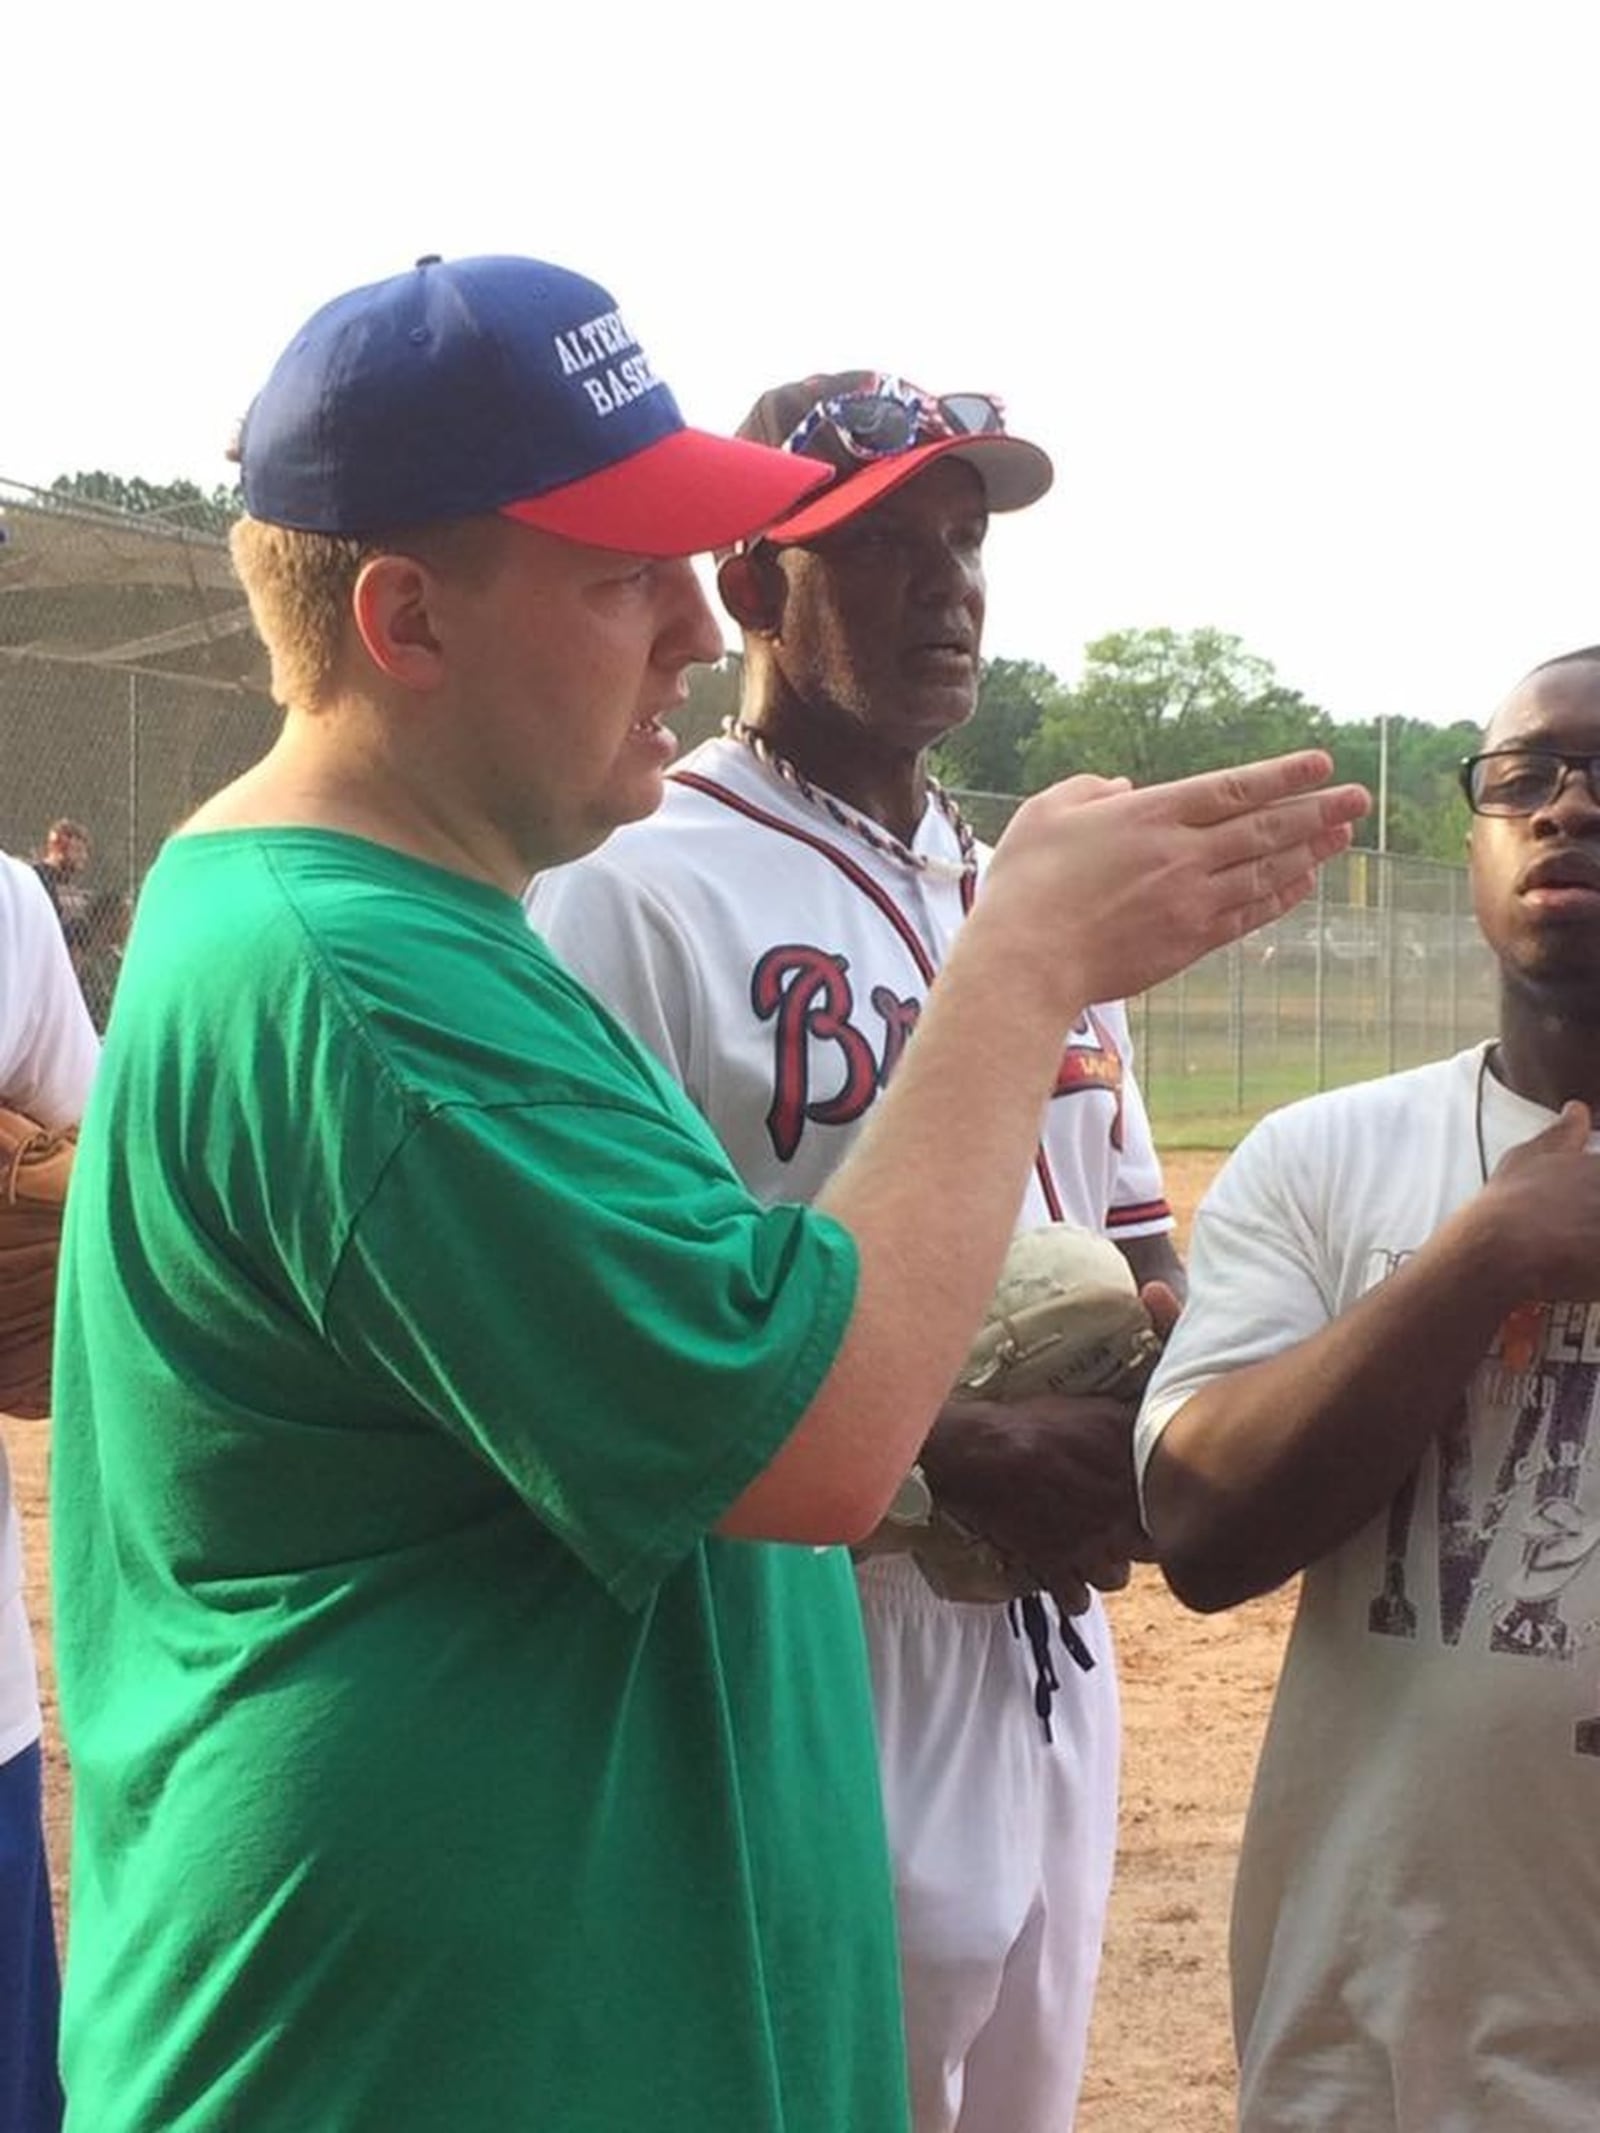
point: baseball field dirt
(1195, 1695)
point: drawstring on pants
(1034, 1624)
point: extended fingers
(1243, 918)
(1265, 876)
(1070, 1594)
(1286, 838)
(1107, 1573)
(1087, 785)
(1217, 796)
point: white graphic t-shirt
(1416, 1930)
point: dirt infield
(1195, 1696)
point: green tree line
(180, 502)
(1160, 703)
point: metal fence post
(1319, 984)
(133, 787)
(1386, 925)
(1453, 982)
(1180, 986)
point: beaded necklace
(862, 826)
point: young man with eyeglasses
(774, 933)
(1388, 1377)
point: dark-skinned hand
(1049, 1481)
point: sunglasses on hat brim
(878, 421)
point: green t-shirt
(434, 1768)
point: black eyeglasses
(889, 416)
(1519, 781)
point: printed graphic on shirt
(831, 1056)
(1092, 1061)
(1514, 1478)
(826, 1068)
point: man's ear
(391, 603)
(753, 588)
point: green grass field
(1200, 1109)
(1229, 1041)
(1212, 1103)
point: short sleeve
(48, 1047)
(584, 1293)
(1257, 1280)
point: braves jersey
(778, 964)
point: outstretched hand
(1119, 888)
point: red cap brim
(1013, 473)
(687, 493)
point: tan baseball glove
(1065, 1319)
(35, 1165)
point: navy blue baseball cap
(497, 385)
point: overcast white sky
(1301, 299)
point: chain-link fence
(1382, 968)
(131, 685)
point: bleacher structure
(131, 684)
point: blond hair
(300, 586)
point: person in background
(62, 867)
(48, 1054)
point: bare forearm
(1270, 1467)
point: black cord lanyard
(1483, 1153)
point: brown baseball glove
(35, 1165)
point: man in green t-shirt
(462, 1677)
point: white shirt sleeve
(48, 1052)
(1258, 1279)
(48, 1046)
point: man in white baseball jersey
(1389, 1377)
(48, 1051)
(772, 933)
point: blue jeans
(30, 1985)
